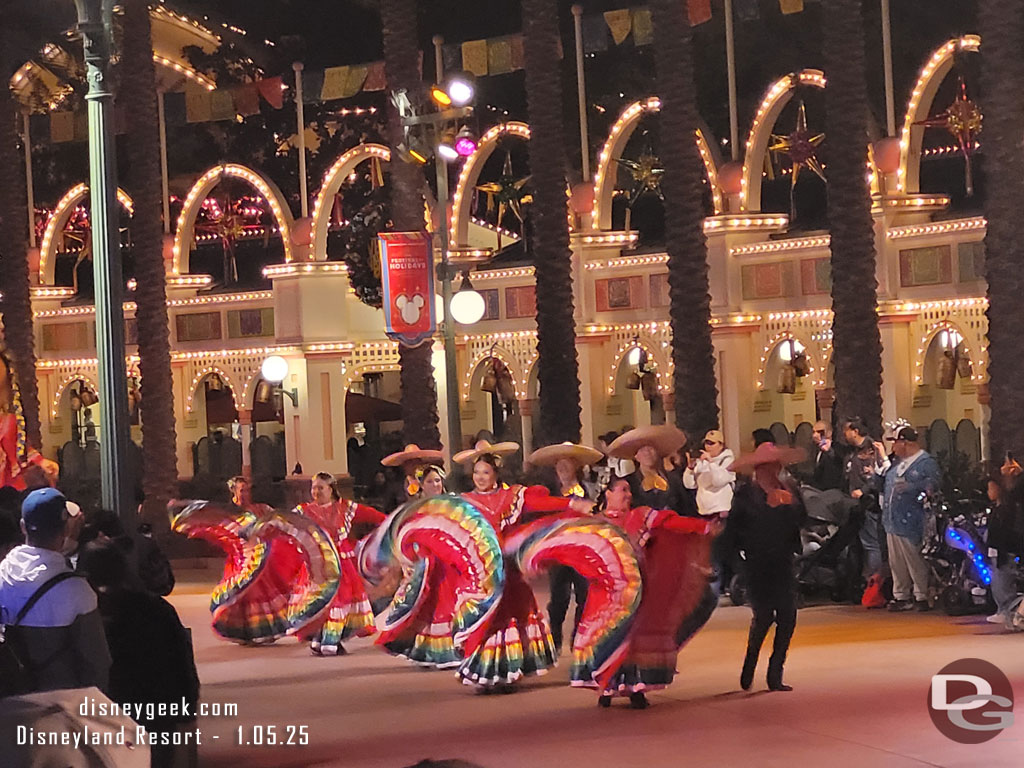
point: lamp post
(453, 101)
(95, 18)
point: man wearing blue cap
(50, 614)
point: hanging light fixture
(467, 306)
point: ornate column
(526, 416)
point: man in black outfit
(652, 486)
(765, 523)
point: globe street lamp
(467, 305)
(274, 371)
(95, 23)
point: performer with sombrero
(568, 461)
(424, 635)
(517, 641)
(765, 523)
(650, 484)
(414, 462)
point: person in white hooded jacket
(60, 638)
(710, 476)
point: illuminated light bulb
(274, 369)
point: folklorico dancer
(350, 614)
(568, 460)
(517, 641)
(18, 461)
(281, 570)
(419, 624)
(674, 556)
(651, 485)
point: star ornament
(801, 147)
(507, 194)
(962, 119)
(647, 172)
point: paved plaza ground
(861, 681)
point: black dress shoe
(638, 700)
(922, 606)
(747, 675)
(604, 701)
(776, 684)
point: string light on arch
(936, 67)
(767, 350)
(198, 379)
(205, 183)
(622, 352)
(66, 382)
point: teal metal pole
(95, 24)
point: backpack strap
(42, 590)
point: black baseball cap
(906, 433)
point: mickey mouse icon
(410, 308)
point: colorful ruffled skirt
(425, 637)
(349, 614)
(517, 641)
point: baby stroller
(955, 550)
(831, 560)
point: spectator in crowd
(152, 660)
(710, 476)
(907, 485)
(50, 614)
(827, 474)
(1005, 538)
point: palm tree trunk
(14, 275)
(693, 353)
(1002, 71)
(557, 366)
(401, 64)
(138, 97)
(855, 337)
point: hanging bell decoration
(801, 364)
(633, 382)
(649, 385)
(88, 398)
(490, 382)
(505, 387)
(76, 402)
(214, 384)
(963, 362)
(787, 379)
(264, 392)
(946, 374)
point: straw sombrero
(550, 455)
(767, 453)
(413, 453)
(664, 437)
(483, 448)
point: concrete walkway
(861, 682)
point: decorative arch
(333, 180)
(201, 376)
(204, 185)
(775, 99)
(507, 359)
(61, 214)
(769, 349)
(66, 382)
(933, 330)
(618, 137)
(462, 199)
(350, 374)
(651, 347)
(921, 98)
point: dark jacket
(152, 653)
(676, 498)
(828, 470)
(768, 536)
(1005, 529)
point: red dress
(517, 640)
(11, 464)
(349, 614)
(675, 564)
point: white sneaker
(996, 618)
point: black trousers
(772, 593)
(564, 580)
